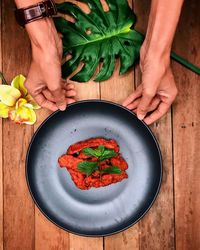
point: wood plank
(89, 90)
(1, 155)
(186, 122)
(116, 89)
(48, 236)
(157, 227)
(18, 206)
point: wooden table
(174, 220)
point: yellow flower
(16, 103)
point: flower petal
(18, 83)
(21, 102)
(23, 115)
(30, 100)
(9, 95)
(4, 110)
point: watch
(35, 12)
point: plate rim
(115, 231)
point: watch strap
(34, 12)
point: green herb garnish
(102, 154)
(112, 170)
(88, 167)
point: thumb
(144, 104)
(58, 94)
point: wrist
(26, 3)
(42, 33)
(155, 52)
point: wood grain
(116, 89)
(1, 153)
(157, 227)
(89, 90)
(18, 206)
(47, 235)
(186, 121)
(19, 229)
(57, 238)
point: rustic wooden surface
(173, 221)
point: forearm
(25, 3)
(42, 33)
(163, 19)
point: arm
(158, 89)
(44, 81)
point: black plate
(94, 212)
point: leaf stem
(185, 63)
(3, 79)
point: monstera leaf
(98, 37)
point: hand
(44, 81)
(156, 92)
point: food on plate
(95, 162)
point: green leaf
(101, 152)
(94, 152)
(108, 153)
(111, 170)
(87, 167)
(98, 37)
(89, 152)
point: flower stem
(3, 79)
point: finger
(158, 113)
(43, 102)
(137, 93)
(69, 86)
(154, 104)
(134, 104)
(70, 93)
(134, 111)
(144, 104)
(48, 95)
(59, 97)
(70, 100)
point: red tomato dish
(95, 162)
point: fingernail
(140, 116)
(62, 107)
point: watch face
(33, 12)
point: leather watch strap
(34, 12)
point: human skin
(44, 81)
(157, 90)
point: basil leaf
(89, 152)
(99, 151)
(112, 170)
(108, 153)
(94, 152)
(87, 167)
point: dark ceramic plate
(102, 211)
